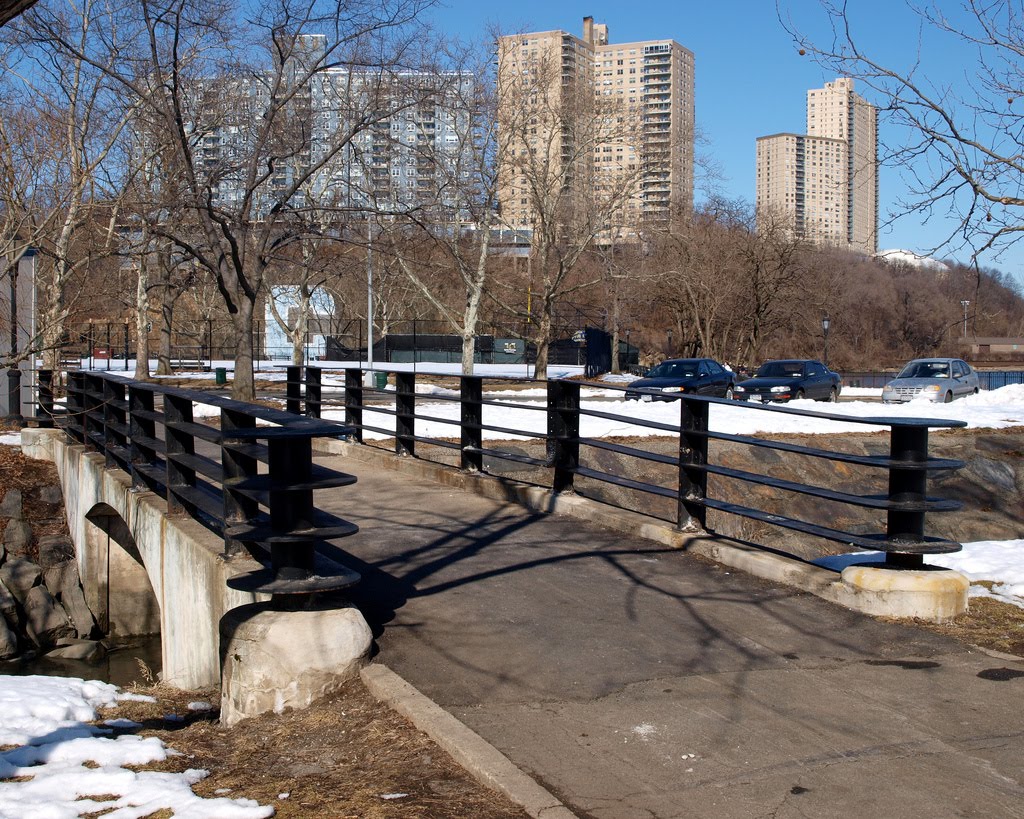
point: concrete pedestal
(932, 594)
(273, 660)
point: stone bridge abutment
(144, 571)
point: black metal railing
(249, 477)
(679, 475)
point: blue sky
(750, 80)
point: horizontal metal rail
(899, 492)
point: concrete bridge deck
(633, 680)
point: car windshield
(675, 369)
(781, 369)
(925, 369)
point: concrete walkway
(632, 680)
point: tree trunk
(540, 370)
(142, 324)
(243, 387)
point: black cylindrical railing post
(291, 463)
(142, 435)
(115, 421)
(14, 397)
(178, 410)
(237, 464)
(44, 401)
(405, 413)
(472, 391)
(92, 414)
(563, 432)
(294, 389)
(907, 444)
(76, 406)
(314, 392)
(693, 453)
(354, 401)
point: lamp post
(826, 322)
(369, 304)
(965, 304)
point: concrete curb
(481, 759)
(819, 581)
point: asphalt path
(636, 681)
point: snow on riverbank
(70, 768)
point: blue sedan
(790, 380)
(683, 376)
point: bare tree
(961, 143)
(59, 141)
(254, 104)
(576, 191)
(453, 221)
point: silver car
(932, 379)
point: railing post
(44, 401)
(693, 454)
(907, 444)
(314, 392)
(563, 432)
(290, 463)
(76, 406)
(472, 418)
(354, 401)
(92, 414)
(179, 442)
(405, 413)
(237, 465)
(14, 397)
(141, 430)
(115, 421)
(294, 389)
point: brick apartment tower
(825, 182)
(552, 86)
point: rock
(88, 651)
(8, 605)
(51, 494)
(10, 506)
(45, 620)
(19, 576)
(54, 549)
(17, 537)
(267, 669)
(8, 641)
(63, 583)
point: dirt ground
(348, 756)
(352, 756)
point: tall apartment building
(825, 182)
(601, 118)
(406, 157)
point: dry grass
(988, 623)
(339, 758)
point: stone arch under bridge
(119, 594)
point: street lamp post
(965, 304)
(826, 322)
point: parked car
(790, 379)
(933, 379)
(691, 376)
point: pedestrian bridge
(178, 523)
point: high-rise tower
(597, 115)
(825, 182)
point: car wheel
(948, 397)
(832, 397)
(799, 395)
(728, 393)
(976, 390)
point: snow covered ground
(66, 767)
